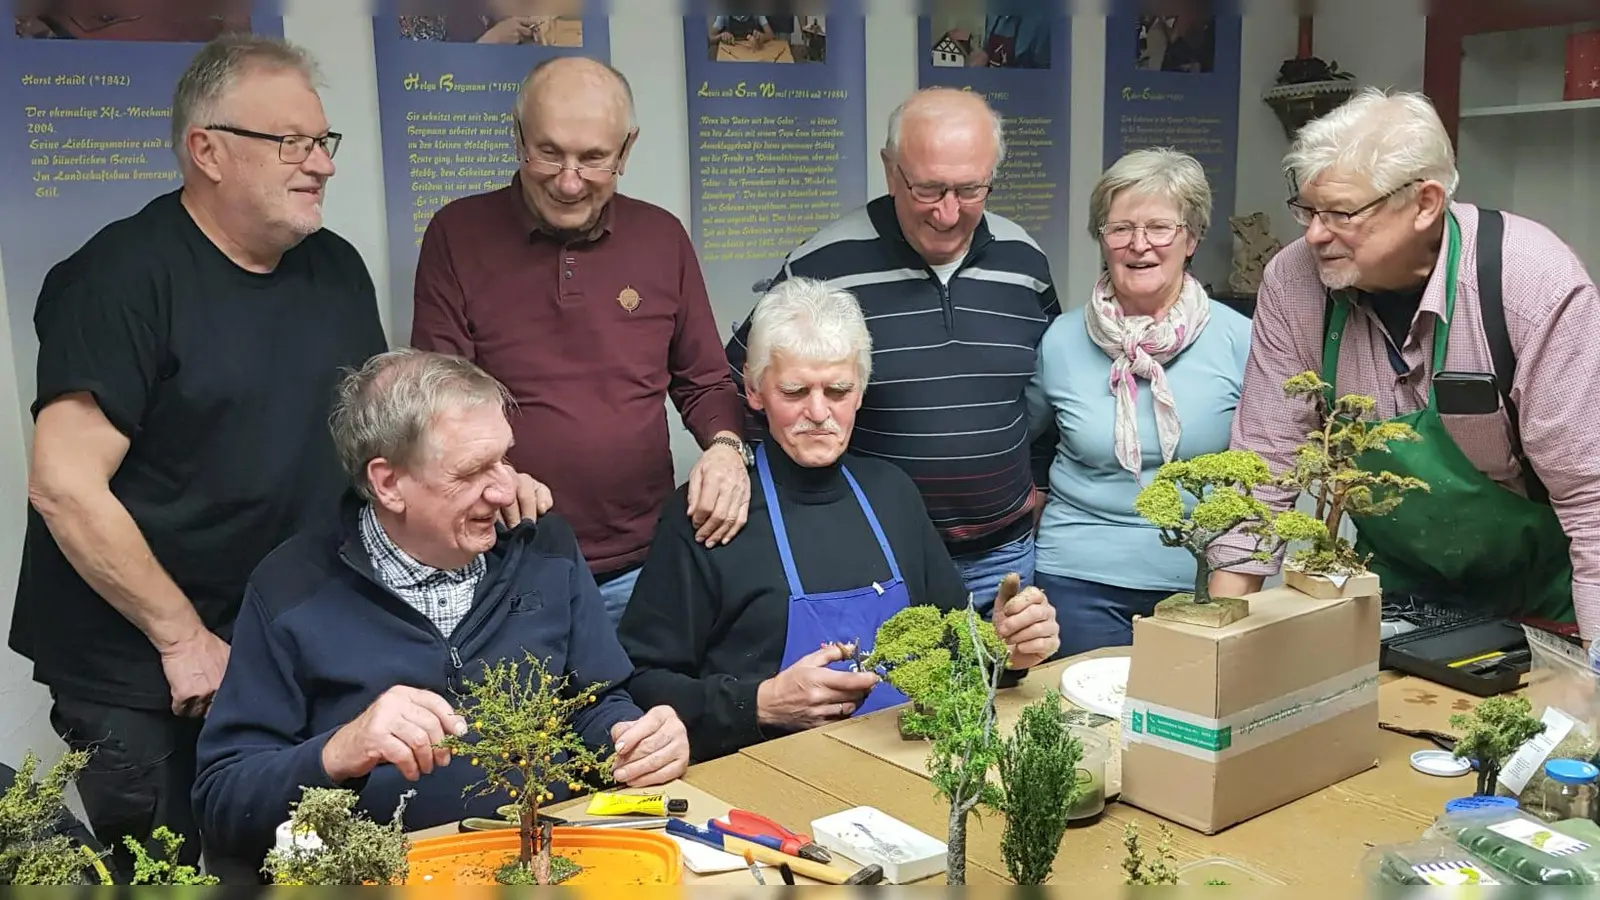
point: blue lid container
(1571, 771)
(1472, 804)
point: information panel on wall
(777, 139)
(1173, 81)
(1022, 66)
(446, 88)
(87, 102)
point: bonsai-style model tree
(1492, 733)
(31, 852)
(521, 716)
(1039, 777)
(949, 667)
(150, 870)
(1222, 484)
(1326, 468)
(1139, 871)
(349, 848)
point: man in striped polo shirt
(956, 299)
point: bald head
(945, 121)
(575, 81)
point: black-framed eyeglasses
(966, 194)
(1160, 233)
(292, 148)
(592, 174)
(1337, 219)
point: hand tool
(809, 868)
(755, 870)
(762, 830)
(643, 823)
(787, 873)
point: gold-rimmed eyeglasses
(1160, 233)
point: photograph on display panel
(769, 39)
(960, 40)
(186, 21)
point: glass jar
(1569, 791)
(1091, 774)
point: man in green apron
(1475, 328)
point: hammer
(826, 874)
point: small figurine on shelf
(1491, 733)
(1307, 87)
(1253, 247)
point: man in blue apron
(744, 640)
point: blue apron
(847, 617)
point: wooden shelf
(1482, 112)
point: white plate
(1097, 685)
(1440, 763)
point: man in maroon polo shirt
(590, 307)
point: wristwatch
(743, 448)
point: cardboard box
(1223, 724)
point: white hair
(1155, 172)
(996, 123)
(215, 70)
(808, 321)
(1387, 139)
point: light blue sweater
(1089, 530)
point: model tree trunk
(1202, 580)
(955, 867)
(529, 821)
(1488, 779)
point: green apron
(1467, 539)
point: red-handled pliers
(744, 824)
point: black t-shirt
(222, 380)
(1396, 310)
(705, 626)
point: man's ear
(1431, 205)
(384, 479)
(751, 395)
(627, 148)
(205, 150)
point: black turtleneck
(706, 626)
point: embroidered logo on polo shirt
(628, 299)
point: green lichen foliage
(1039, 777)
(355, 849)
(148, 869)
(1492, 732)
(916, 646)
(1222, 485)
(30, 852)
(1138, 870)
(1327, 467)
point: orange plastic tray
(611, 857)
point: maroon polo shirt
(590, 337)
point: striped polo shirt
(950, 364)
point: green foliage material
(1039, 777)
(521, 736)
(30, 852)
(1326, 467)
(1222, 485)
(1140, 871)
(354, 849)
(1492, 732)
(949, 666)
(149, 870)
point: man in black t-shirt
(187, 359)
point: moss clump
(1137, 870)
(149, 870)
(31, 852)
(354, 849)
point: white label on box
(1539, 837)
(1216, 739)
(1530, 757)
(1453, 873)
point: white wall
(645, 46)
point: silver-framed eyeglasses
(292, 148)
(966, 194)
(594, 174)
(1338, 219)
(1160, 233)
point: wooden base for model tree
(1216, 613)
(1323, 587)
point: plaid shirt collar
(399, 569)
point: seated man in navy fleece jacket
(349, 643)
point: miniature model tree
(1039, 777)
(1222, 484)
(337, 845)
(148, 869)
(1140, 871)
(1326, 468)
(31, 852)
(1492, 733)
(521, 715)
(949, 666)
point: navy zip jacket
(319, 638)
